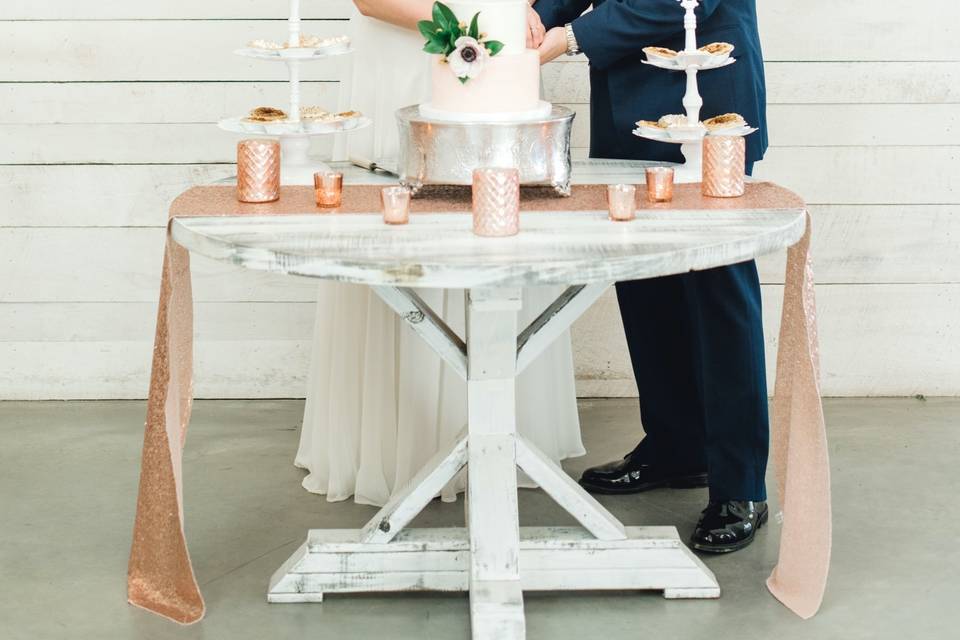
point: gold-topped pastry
(313, 113)
(266, 45)
(673, 120)
(650, 124)
(317, 42)
(318, 114)
(725, 121)
(717, 48)
(660, 52)
(266, 114)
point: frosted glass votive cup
(396, 205)
(622, 202)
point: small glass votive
(258, 171)
(396, 205)
(496, 202)
(622, 201)
(659, 184)
(328, 188)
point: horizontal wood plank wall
(106, 113)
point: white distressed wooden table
(492, 557)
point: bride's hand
(554, 45)
(535, 29)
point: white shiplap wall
(106, 112)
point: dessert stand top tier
(299, 54)
(295, 52)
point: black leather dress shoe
(630, 475)
(728, 526)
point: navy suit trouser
(696, 343)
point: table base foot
(686, 594)
(496, 610)
(551, 559)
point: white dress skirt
(380, 402)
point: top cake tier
(503, 20)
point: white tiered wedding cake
(483, 70)
(485, 109)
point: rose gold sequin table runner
(160, 575)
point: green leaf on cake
(427, 29)
(444, 17)
(493, 46)
(438, 18)
(475, 27)
(436, 40)
(434, 47)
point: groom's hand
(554, 45)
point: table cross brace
(532, 341)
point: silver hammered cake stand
(443, 152)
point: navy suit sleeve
(618, 28)
(556, 13)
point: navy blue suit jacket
(623, 90)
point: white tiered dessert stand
(298, 166)
(690, 136)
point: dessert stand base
(691, 170)
(493, 558)
(444, 152)
(296, 165)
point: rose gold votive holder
(328, 188)
(496, 202)
(396, 205)
(659, 184)
(724, 162)
(622, 201)
(258, 170)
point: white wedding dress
(379, 401)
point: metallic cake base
(441, 152)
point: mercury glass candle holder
(258, 170)
(328, 188)
(622, 201)
(724, 165)
(659, 184)
(496, 202)
(396, 205)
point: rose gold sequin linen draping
(160, 576)
(799, 445)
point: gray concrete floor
(68, 476)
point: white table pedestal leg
(493, 558)
(496, 599)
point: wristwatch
(573, 48)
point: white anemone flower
(468, 58)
